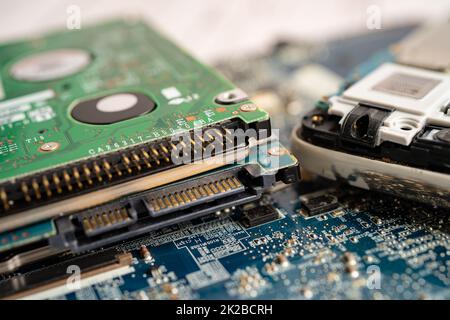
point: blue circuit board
(368, 247)
(352, 245)
(26, 235)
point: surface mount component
(318, 203)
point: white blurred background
(214, 29)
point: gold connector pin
(76, 175)
(35, 186)
(98, 172)
(87, 174)
(57, 183)
(126, 162)
(24, 188)
(46, 186)
(67, 180)
(107, 168)
(4, 198)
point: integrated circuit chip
(318, 203)
(259, 215)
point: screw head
(248, 107)
(49, 146)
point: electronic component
(87, 183)
(24, 235)
(27, 256)
(258, 215)
(96, 220)
(409, 99)
(318, 203)
(385, 130)
(199, 191)
(57, 275)
(146, 255)
(224, 188)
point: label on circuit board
(18, 109)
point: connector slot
(194, 193)
(113, 168)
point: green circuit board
(124, 56)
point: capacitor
(146, 255)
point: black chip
(259, 215)
(317, 203)
(113, 108)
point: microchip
(317, 203)
(259, 215)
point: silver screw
(249, 107)
(49, 146)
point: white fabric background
(212, 29)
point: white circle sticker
(117, 102)
(50, 65)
